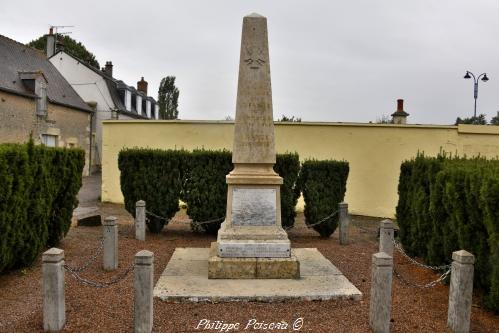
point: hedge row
(39, 187)
(447, 204)
(198, 178)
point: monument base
(252, 268)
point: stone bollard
(140, 220)
(54, 304)
(381, 293)
(386, 237)
(460, 292)
(344, 222)
(110, 256)
(143, 285)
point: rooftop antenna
(55, 30)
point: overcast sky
(330, 60)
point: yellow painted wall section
(374, 151)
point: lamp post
(475, 80)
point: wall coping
(279, 123)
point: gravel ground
(111, 310)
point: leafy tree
(479, 120)
(168, 98)
(290, 119)
(495, 120)
(71, 46)
(384, 120)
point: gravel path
(111, 310)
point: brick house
(36, 100)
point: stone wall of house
(18, 119)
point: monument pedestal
(251, 242)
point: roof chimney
(142, 86)
(50, 48)
(108, 70)
(399, 116)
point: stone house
(35, 99)
(111, 98)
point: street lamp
(475, 80)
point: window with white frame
(49, 140)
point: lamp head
(467, 76)
(485, 78)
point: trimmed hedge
(197, 178)
(323, 184)
(205, 190)
(39, 193)
(155, 176)
(447, 204)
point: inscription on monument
(253, 250)
(253, 206)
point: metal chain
(323, 220)
(157, 216)
(91, 260)
(422, 286)
(398, 246)
(209, 221)
(115, 279)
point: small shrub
(39, 193)
(155, 176)
(205, 189)
(323, 184)
(288, 167)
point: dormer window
(156, 111)
(148, 108)
(138, 106)
(36, 84)
(128, 100)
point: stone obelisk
(251, 242)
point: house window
(49, 140)
(41, 103)
(138, 107)
(128, 100)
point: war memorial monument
(252, 258)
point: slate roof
(114, 85)
(16, 57)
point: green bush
(155, 176)
(205, 189)
(323, 184)
(447, 204)
(161, 178)
(39, 192)
(288, 167)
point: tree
(290, 119)
(71, 46)
(384, 120)
(495, 120)
(168, 98)
(478, 120)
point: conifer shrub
(323, 184)
(448, 204)
(39, 193)
(161, 178)
(288, 167)
(155, 176)
(205, 189)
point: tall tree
(168, 98)
(71, 46)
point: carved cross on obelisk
(252, 227)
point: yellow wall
(374, 151)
